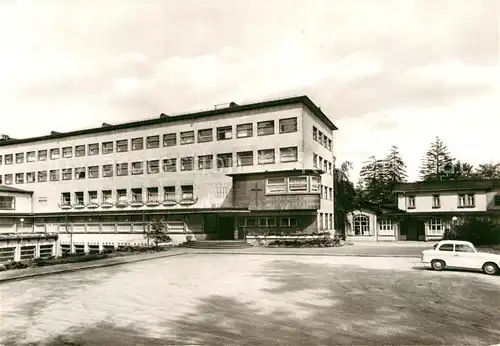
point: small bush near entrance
(324, 241)
(478, 231)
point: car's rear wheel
(490, 268)
(438, 264)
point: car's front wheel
(438, 264)
(490, 268)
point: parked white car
(461, 255)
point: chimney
(54, 133)
(4, 137)
(163, 115)
(105, 125)
(233, 104)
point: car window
(446, 247)
(435, 246)
(463, 248)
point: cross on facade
(256, 189)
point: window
(19, 157)
(325, 166)
(206, 135)
(19, 178)
(42, 155)
(122, 146)
(435, 226)
(137, 195)
(497, 200)
(325, 140)
(361, 225)
(67, 152)
(169, 140)
(54, 153)
(266, 156)
(267, 222)
(265, 128)
(187, 192)
(107, 171)
(330, 167)
(107, 147)
(244, 158)
(121, 169)
(80, 150)
(153, 142)
(288, 154)
(152, 194)
(107, 197)
(276, 185)
(79, 199)
(315, 133)
(187, 137)
(137, 168)
(9, 159)
(54, 175)
(94, 172)
(65, 198)
(297, 184)
(121, 196)
(315, 184)
(225, 160)
(288, 222)
(170, 165)
(187, 163)
(315, 160)
(244, 130)
(30, 156)
(138, 143)
(93, 149)
(225, 132)
(385, 226)
(7, 203)
(320, 137)
(329, 145)
(463, 248)
(205, 162)
(330, 220)
(411, 202)
(446, 247)
(320, 162)
(8, 179)
(42, 176)
(93, 197)
(247, 221)
(66, 173)
(1, 159)
(466, 201)
(436, 202)
(288, 125)
(169, 193)
(79, 173)
(153, 166)
(330, 189)
(30, 177)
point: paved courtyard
(202, 299)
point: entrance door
(226, 227)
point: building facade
(425, 210)
(212, 175)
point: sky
(394, 72)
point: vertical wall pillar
(235, 227)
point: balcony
(188, 200)
(153, 201)
(169, 202)
(93, 204)
(65, 205)
(78, 205)
(122, 202)
(136, 202)
(107, 203)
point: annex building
(227, 173)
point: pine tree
(374, 180)
(394, 166)
(345, 195)
(437, 162)
(488, 171)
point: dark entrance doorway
(225, 228)
(415, 229)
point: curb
(299, 254)
(92, 266)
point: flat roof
(447, 185)
(281, 171)
(234, 108)
(4, 188)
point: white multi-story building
(216, 174)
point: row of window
(124, 196)
(361, 226)
(244, 158)
(152, 142)
(463, 201)
(321, 163)
(324, 221)
(300, 184)
(322, 139)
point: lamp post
(454, 220)
(22, 223)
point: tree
(488, 171)
(345, 195)
(459, 171)
(437, 162)
(157, 232)
(394, 167)
(374, 181)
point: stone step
(217, 244)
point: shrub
(476, 230)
